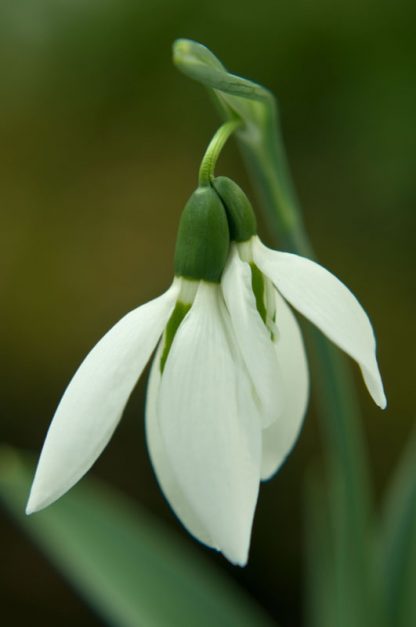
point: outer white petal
(253, 337)
(328, 303)
(210, 425)
(161, 462)
(94, 400)
(279, 438)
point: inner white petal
(280, 437)
(253, 337)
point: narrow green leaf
(125, 564)
(398, 542)
(334, 596)
(349, 495)
(319, 558)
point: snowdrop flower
(228, 386)
(258, 284)
(203, 421)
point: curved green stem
(210, 158)
(350, 499)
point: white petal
(94, 400)
(210, 426)
(253, 337)
(328, 303)
(161, 462)
(279, 438)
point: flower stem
(210, 158)
(338, 412)
(350, 500)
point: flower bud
(203, 238)
(240, 214)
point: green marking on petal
(178, 314)
(260, 291)
(257, 283)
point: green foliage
(84, 92)
(354, 598)
(125, 564)
(393, 566)
(398, 542)
(320, 606)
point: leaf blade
(398, 541)
(122, 561)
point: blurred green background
(100, 142)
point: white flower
(319, 296)
(203, 422)
(228, 387)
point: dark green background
(100, 143)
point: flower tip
(382, 403)
(379, 398)
(31, 508)
(374, 383)
(36, 503)
(237, 559)
(237, 548)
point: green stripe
(178, 314)
(257, 283)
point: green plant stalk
(335, 394)
(217, 143)
(262, 147)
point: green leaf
(398, 542)
(319, 561)
(339, 590)
(126, 564)
(349, 495)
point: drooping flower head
(275, 280)
(228, 386)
